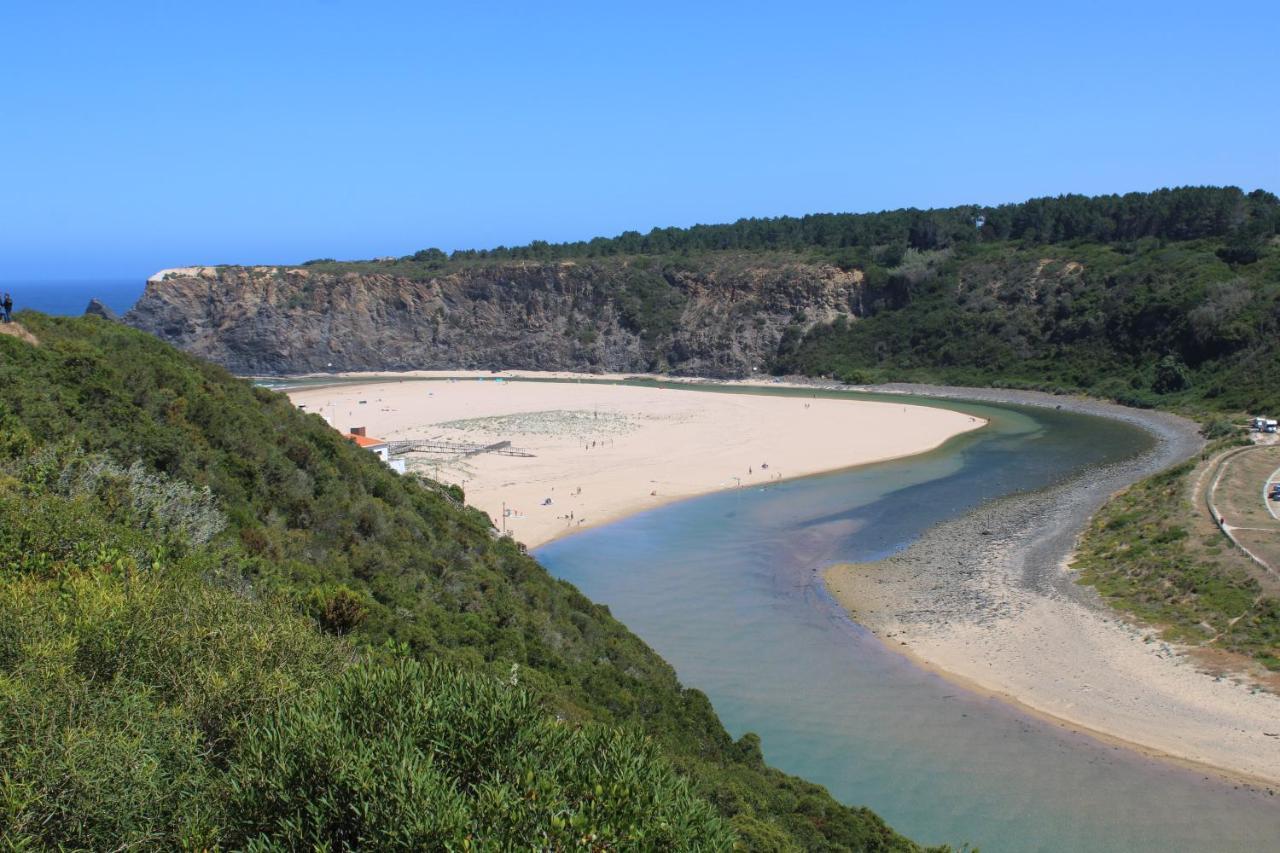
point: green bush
(417, 757)
(154, 709)
(118, 700)
(1220, 427)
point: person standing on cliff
(8, 308)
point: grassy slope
(388, 558)
(1152, 552)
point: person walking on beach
(8, 308)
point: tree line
(1182, 213)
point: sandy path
(987, 601)
(604, 451)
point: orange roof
(364, 440)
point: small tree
(1171, 376)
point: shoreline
(1225, 774)
(662, 501)
(987, 602)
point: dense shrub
(118, 701)
(424, 757)
(1155, 324)
(156, 709)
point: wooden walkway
(453, 448)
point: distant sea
(71, 297)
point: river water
(727, 588)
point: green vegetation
(151, 708)
(1169, 298)
(223, 625)
(649, 304)
(1142, 552)
(406, 755)
(1153, 323)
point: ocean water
(71, 297)
(727, 588)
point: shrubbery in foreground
(148, 707)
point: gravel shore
(1034, 534)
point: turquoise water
(726, 587)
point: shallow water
(727, 588)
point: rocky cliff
(712, 318)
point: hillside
(214, 601)
(1150, 297)
(1161, 323)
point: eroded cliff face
(719, 319)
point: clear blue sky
(135, 136)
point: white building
(377, 445)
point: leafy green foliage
(313, 526)
(119, 700)
(648, 304)
(416, 757)
(170, 515)
(1147, 324)
(152, 708)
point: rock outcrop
(715, 318)
(97, 308)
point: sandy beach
(598, 452)
(988, 601)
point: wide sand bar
(602, 451)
